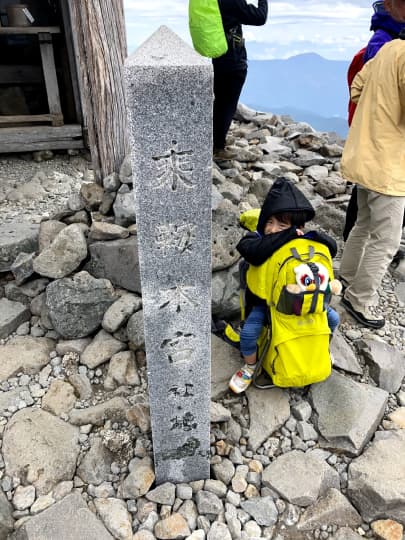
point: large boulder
(77, 305)
(40, 449)
(24, 354)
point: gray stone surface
(64, 254)
(343, 355)
(300, 478)
(40, 449)
(24, 353)
(386, 364)
(262, 509)
(12, 314)
(22, 267)
(346, 534)
(169, 100)
(116, 260)
(14, 238)
(69, 519)
(376, 481)
(6, 517)
(225, 360)
(95, 466)
(348, 412)
(77, 305)
(269, 409)
(331, 509)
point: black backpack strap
(296, 255)
(315, 270)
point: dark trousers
(351, 215)
(227, 89)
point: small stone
(387, 529)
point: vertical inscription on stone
(169, 104)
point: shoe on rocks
(242, 379)
(365, 318)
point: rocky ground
(76, 449)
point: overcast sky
(335, 30)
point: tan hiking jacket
(374, 153)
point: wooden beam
(28, 139)
(10, 30)
(100, 42)
(25, 119)
(51, 81)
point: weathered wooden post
(169, 107)
(100, 44)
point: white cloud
(335, 30)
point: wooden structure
(61, 81)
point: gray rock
(302, 410)
(348, 412)
(225, 292)
(92, 195)
(125, 173)
(386, 364)
(163, 494)
(101, 349)
(376, 483)
(136, 330)
(100, 230)
(59, 399)
(6, 517)
(95, 467)
(306, 158)
(122, 371)
(225, 234)
(77, 305)
(343, 355)
(113, 409)
(219, 531)
(115, 517)
(26, 292)
(24, 353)
(263, 510)
(218, 413)
(331, 509)
(225, 360)
(12, 314)
(15, 238)
(224, 471)
(116, 260)
(11, 398)
(64, 255)
(300, 478)
(22, 267)
(124, 208)
(208, 503)
(69, 519)
(119, 312)
(346, 534)
(269, 409)
(40, 449)
(48, 230)
(111, 182)
(139, 480)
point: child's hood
(283, 197)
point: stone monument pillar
(169, 106)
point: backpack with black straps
(206, 28)
(296, 282)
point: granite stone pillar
(169, 106)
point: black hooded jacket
(234, 13)
(257, 247)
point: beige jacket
(374, 153)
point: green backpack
(206, 28)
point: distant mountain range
(307, 87)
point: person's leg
(227, 89)
(333, 319)
(351, 214)
(354, 247)
(248, 346)
(386, 215)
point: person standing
(374, 158)
(230, 69)
(387, 22)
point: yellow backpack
(297, 353)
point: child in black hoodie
(283, 215)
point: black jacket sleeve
(325, 239)
(250, 14)
(256, 249)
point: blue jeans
(254, 324)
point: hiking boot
(242, 379)
(365, 318)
